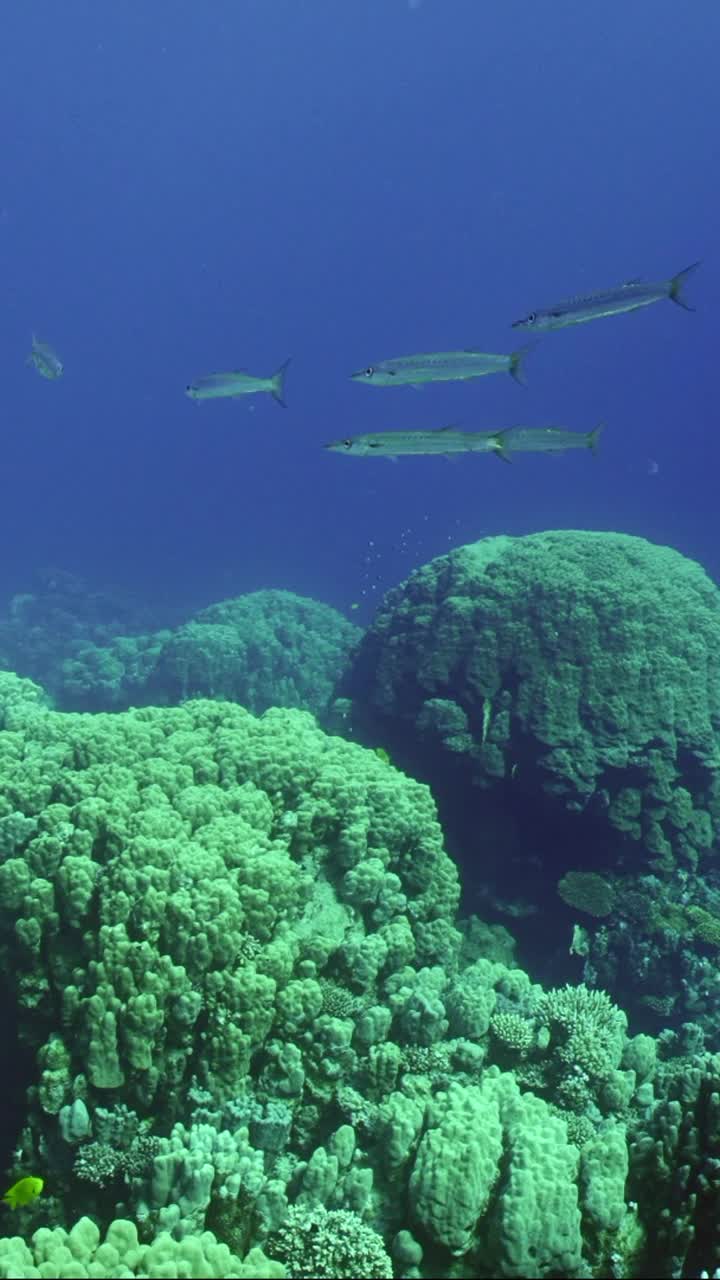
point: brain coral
(579, 666)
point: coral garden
(97, 652)
(251, 1031)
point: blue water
(191, 187)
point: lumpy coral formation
(266, 648)
(259, 1039)
(582, 666)
(180, 879)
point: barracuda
(399, 444)
(441, 366)
(610, 302)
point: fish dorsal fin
(635, 280)
(451, 426)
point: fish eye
(348, 443)
(532, 317)
(369, 371)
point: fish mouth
(519, 324)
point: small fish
(23, 1192)
(444, 441)
(549, 439)
(217, 386)
(441, 366)
(44, 359)
(611, 302)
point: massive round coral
(267, 648)
(576, 667)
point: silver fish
(395, 444)
(44, 359)
(238, 382)
(548, 439)
(441, 366)
(610, 302)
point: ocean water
(187, 188)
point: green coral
(320, 1244)
(588, 892)
(267, 648)
(457, 1165)
(535, 1223)
(704, 925)
(494, 1179)
(201, 909)
(81, 1252)
(587, 1038)
(563, 661)
(110, 676)
(188, 878)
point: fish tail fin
(499, 446)
(517, 363)
(594, 436)
(676, 286)
(277, 390)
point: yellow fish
(23, 1192)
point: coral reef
(261, 1041)
(266, 648)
